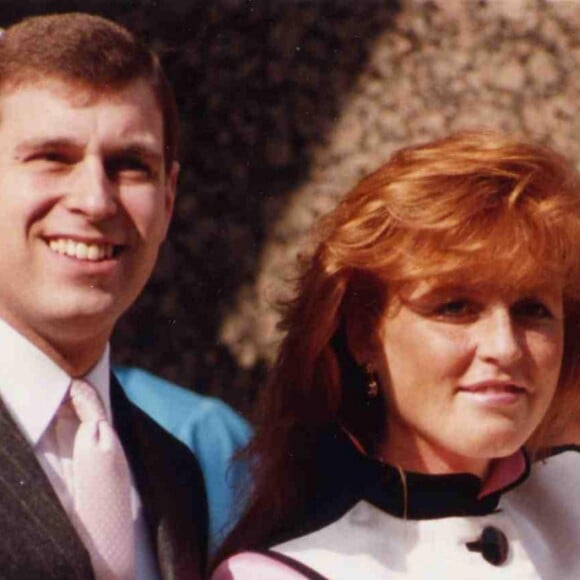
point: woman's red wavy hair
(478, 205)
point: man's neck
(76, 358)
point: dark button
(492, 544)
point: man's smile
(91, 251)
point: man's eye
(51, 158)
(129, 167)
(532, 309)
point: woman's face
(468, 372)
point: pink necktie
(102, 488)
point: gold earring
(371, 381)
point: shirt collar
(99, 377)
(32, 385)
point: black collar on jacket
(345, 476)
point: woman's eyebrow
(442, 290)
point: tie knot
(86, 402)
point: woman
(435, 332)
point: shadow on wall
(259, 85)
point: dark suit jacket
(37, 541)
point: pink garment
(102, 489)
(504, 472)
(252, 566)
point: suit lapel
(36, 536)
(171, 487)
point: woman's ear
(363, 338)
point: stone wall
(285, 104)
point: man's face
(85, 202)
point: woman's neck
(420, 455)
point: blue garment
(213, 432)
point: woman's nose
(498, 337)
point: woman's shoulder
(556, 475)
(569, 450)
(546, 512)
(559, 468)
(266, 565)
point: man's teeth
(81, 250)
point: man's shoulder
(209, 428)
(180, 411)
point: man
(88, 134)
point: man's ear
(170, 190)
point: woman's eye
(532, 309)
(455, 309)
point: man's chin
(85, 315)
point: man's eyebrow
(40, 143)
(141, 150)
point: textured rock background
(285, 104)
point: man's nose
(499, 340)
(92, 192)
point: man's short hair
(88, 50)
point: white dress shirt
(32, 388)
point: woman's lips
(494, 392)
